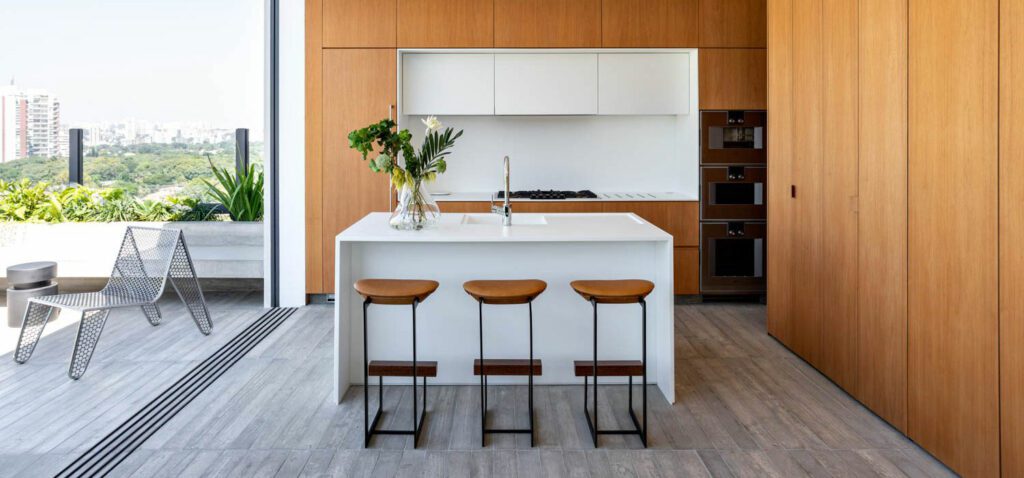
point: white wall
(601, 153)
(292, 156)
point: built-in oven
(733, 137)
(733, 258)
(732, 193)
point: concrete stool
(26, 281)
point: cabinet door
(1011, 236)
(445, 23)
(953, 274)
(733, 23)
(649, 23)
(448, 84)
(359, 88)
(547, 23)
(643, 83)
(545, 84)
(359, 24)
(733, 79)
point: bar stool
(615, 292)
(394, 292)
(504, 292)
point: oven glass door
(733, 258)
(733, 137)
(733, 192)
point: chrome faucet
(505, 210)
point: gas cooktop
(549, 194)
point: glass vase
(416, 208)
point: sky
(161, 61)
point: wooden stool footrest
(507, 367)
(609, 368)
(402, 368)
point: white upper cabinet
(448, 84)
(545, 84)
(644, 83)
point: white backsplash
(600, 153)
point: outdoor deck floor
(746, 407)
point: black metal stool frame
(370, 427)
(483, 385)
(592, 423)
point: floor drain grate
(105, 455)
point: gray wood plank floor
(746, 407)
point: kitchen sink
(495, 220)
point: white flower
(432, 124)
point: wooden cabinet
(545, 84)
(733, 79)
(358, 88)
(889, 259)
(649, 23)
(359, 24)
(643, 83)
(681, 219)
(547, 23)
(1011, 236)
(882, 211)
(953, 234)
(733, 23)
(445, 23)
(448, 84)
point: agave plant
(241, 195)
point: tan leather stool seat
(505, 291)
(613, 291)
(395, 291)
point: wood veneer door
(780, 319)
(445, 23)
(1011, 236)
(649, 23)
(953, 354)
(733, 78)
(547, 23)
(358, 88)
(733, 23)
(359, 23)
(882, 218)
(807, 257)
(838, 222)
(314, 122)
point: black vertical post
(241, 151)
(76, 170)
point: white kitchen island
(556, 248)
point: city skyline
(190, 61)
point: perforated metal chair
(148, 258)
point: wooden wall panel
(547, 23)
(314, 121)
(649, 23)
(733, 23)
(780, 320)
(953, 198)
(445, 23)
(1011, 237)
(358, 88)
(359, 23)
(882, 221)
(733, 79)
(808, 257)
(839, 192)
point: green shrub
(25, 201)
(242, 195)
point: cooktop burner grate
(549, 194)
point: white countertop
(526, 227)
(601, 196)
